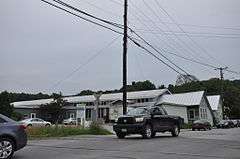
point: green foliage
(55, 109)
(5, 107)
(140, 86)
(44, 132)
(186, 126)
(85, 92)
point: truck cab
(147, 121)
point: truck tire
(147, 134)
(121, 135)
(175, 131)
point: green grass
(186, 126)
(49, 132)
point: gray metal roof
(91, 98)
(186, 99)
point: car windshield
(138, 111)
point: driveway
(214, 144)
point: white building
(110, 105)
(190, 106)
(216, 103)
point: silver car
(69, 121)
(35, 122)
(12, 137)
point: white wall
(177, 110)
(209, 114)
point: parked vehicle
(69, 121)
(12, 137)
(201, 124)
(35, 122)
(225, 124)
(147, 121)
(236, 123)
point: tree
(5, 107)
(85, 92)
(140, 86)
(55, 109)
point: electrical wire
(88, 20)
(86, 63)
(193, 41)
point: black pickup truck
(147, 121)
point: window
(139, 100)
(33, 115)
(72, 115)
(191, 114)
(88, 113)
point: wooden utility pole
(222, 89)
(125, 59)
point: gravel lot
(214, 144)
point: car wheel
(147, 134)
(6, 148)
(193, 129)
(47, 125)
(210, 128)
(29, 125)
(121, 135)
(175, 131)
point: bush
(44, 132)
(186, 126)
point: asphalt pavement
(214, 144)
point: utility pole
(125, 59)
(221, 69)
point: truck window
(163, 111)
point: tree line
(231, 94)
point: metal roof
(91, 98)
(214, 101)
(186, 99)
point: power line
(87, 14)
(179, 44)
(84, 64)
(88, 20)
(200, 26)
(101, 9)
(158, 52)
(174, 21)
(152, 54)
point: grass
(49, 132)
(186, 126)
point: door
(160, 119)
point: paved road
(214, 144)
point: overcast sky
(41, 46)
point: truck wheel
(147, 134)
(121, 135)
(7, 148)
(175, 131)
